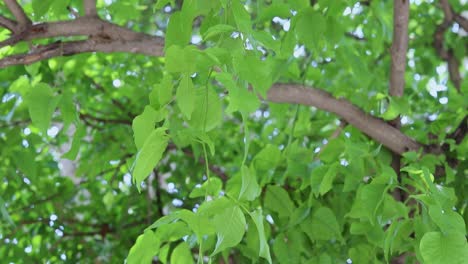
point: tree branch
(18, 12)
(397, 73)
(107, 37)
(8, 23)
(374, 127)
(447, 55)
(58, 49)
(90, 7)
(399, 47)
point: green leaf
(182, 254)
(322, 178)
(368, 200)
(241, 16)
(278, 200)
(67, 109)
(208, 113)
(448, 221)
(253, 70)
(144, 249)
(25, 162)
(264, 250)
(437, 248)
(230, 228)
(268, 158)
(185, 96)
(249, 189)
(41, 7)
(80, 132)
(179, 30)
(310, 27)
(149, 155)
(396, 107)
(240, 98)
(143, 125)
(41, 104)
(181, 60)
(162, 93)
(322, 225)
(218, 29)
(211, 187)
(332, 150)
(215, 207)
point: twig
(86, 116)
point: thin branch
(18, 12)
(448, 55)
(463, 22)
(8, 23)
(90, 7)
(104, 120)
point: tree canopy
(232, 131)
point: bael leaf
(448, 221)
(249, 189)
(438, 248)
(240, 99)
(278, 200)
(149, 155)
(143, 125)
(310, 27)
(210, 187)
(182, 254)
(179, 30)
(185, 96)
(254, 70)
(230, 228)
(264, 250)
(41, 104)
(144, 249)
(218, 29)
(241, 16)
(208, 113)
(80, 132)
(181, 60)
(323, 225)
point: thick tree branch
(18, 12)
(90, 7)
(108, 37)
(374, 127)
